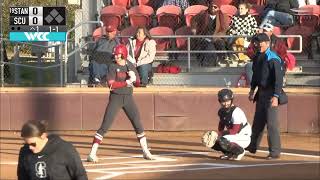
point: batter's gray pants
(116, 102)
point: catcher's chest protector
(225, 115)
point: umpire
(268, 77)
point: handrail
(66, 44)
(29, 66)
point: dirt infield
(179, 155)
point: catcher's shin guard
(144, 145)
(230, 147)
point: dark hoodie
(58, 160)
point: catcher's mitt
(209, 138)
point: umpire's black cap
(262, 37)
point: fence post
(189, 56)
(16, 58)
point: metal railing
(16, 57)
(189, 51)
(66, 55)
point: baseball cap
(262, 37)
(110, 28)
(268, 27)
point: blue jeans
(277, 18)
(249, 72)
(99, 70)
(144, 71)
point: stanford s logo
(41, 171)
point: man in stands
(102, 57)
(209, 22)
(278, 12)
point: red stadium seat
(145, 2)
(169, 16)
(222, 2)
(123, 3)
(162, 43)
(112, 15)
(129, 31)
(304, 31)
(182, 43)
(229, 10)
(140, 15)
(192, 11)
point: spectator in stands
(277, 12)
(276, 44)
(242, 24)
(268, 77)
(306, 2)
(183, 4)
(46, 156)
(197, 2)
(142, 51)
(209, 22)
(101, 56)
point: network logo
(37, 36)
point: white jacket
(147, 54)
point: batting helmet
(121, 49)
(225, 95)
(209, 138)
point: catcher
(233, 131)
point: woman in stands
(142, 51)
(242, 24)
(47, 156)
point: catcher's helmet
(121, 49)
(225, 95)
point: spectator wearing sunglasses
(209, 22)
(47, 156)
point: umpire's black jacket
(268, 72)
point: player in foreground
(233, 131)
(122, 76)
(47, 156)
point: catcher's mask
(225, 95)
(209, 138)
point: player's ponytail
(34, 128)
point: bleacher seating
(140, 15)
(123, 3)
(112, 15)
(169, 16)
(192, 11)
(182, 43)
(163, 43)
(129, 31)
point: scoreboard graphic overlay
(37, 24)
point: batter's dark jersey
(117, 76)
(58, 160)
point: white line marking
(292, 154)
(158, 159)
(162, 166)
(211, 166)
(140, 156)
